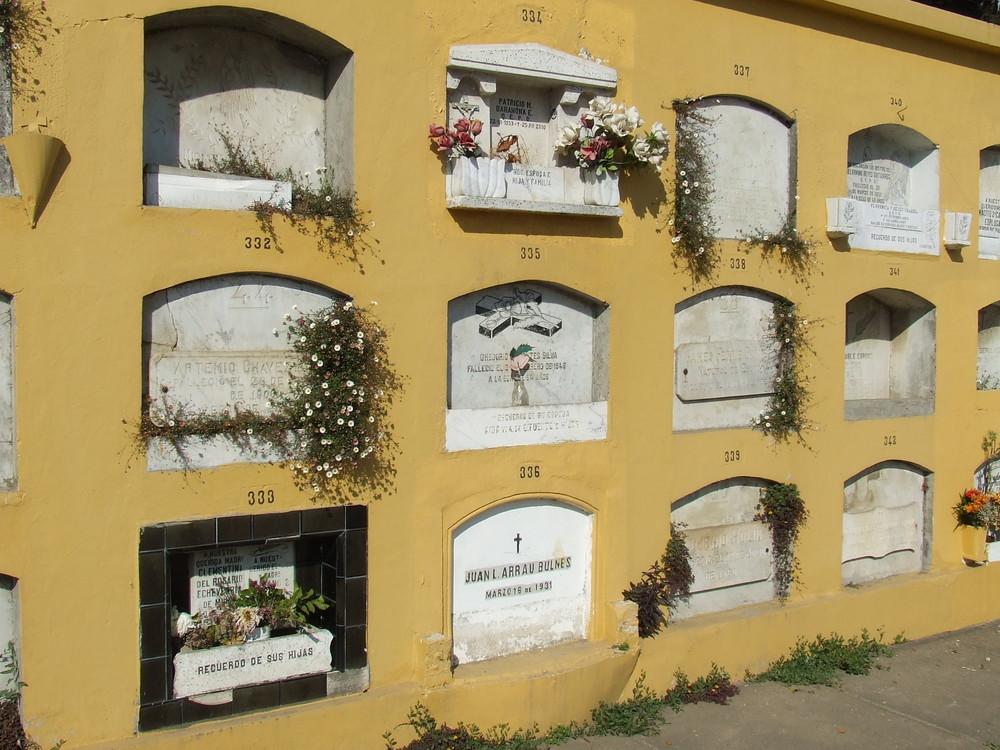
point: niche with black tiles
(331, 557)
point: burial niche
(989, 203)
(886, 522)
(524, 94)
(527, 364)
(217, 346)
(751, 149)
(889, 355)
(724, 358)
(730, 552)
(988, 359)
(10, 633)
(267, 84)
(892, 175)
(8, 462)
(521, 578)
(184, 566)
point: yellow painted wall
(70, 533)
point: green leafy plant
(785, 414)
(666, 584)
(787, 245)
(261, 604)
(333, 422)
(782, 510)
(694, 229)
(329, 213)
(817, 662)
(640, 714)
(715, 687)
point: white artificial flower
(619, 124)
(660, 133)
(568, 136)
(600, 107)
(642, 150)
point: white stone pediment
(532, 61)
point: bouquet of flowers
(606, 139)
(458, 142)
(979, 509)
(260, 605)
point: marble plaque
(527, 364)
(879, 181)
(212, 670)
(525, 113)
(217, 345)
(724, 369)
(730, 552)
(750, 156)
(536, 183)
(724, 359)
(898, 229)
(521, 579)
(10, 627)
(203, 81)
(989, 203)
(215, 571)
(883, 524)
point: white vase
(258, 634)
(600, 189)
(477, 177)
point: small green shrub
(817, 662)
(640, 714)
(715, 687)
(666, 584)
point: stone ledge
(505, 204)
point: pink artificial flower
(466, 141)
(476, 126)
(436, 131)
(462, 126)
(595, 148)
(445, 142)
(587, 121)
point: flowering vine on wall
(693, 242)
(795, 251)
(23, 25)
(332, 426)
(784, 513)
(785, 414)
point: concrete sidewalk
(939, 692)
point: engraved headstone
(868, 349)
(229, 569)
(724, 358)
(884, 524)
(730, 552)
(892, 172)
(10, 628)
(989, 203)
(527, 365)
(212, 670)
(750, 156)
(217, 346)
(521, 579)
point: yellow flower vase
(973, 544)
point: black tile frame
(331, 557)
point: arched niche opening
(527, 364)
(10, 632)
(521, 578)
(751, 154)
(216, 346)
(730, 552)
(271, 85)
(886, 522)
(989, 203)
(889, 355)
(724, 358)
(892, 174)
(988, 359)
